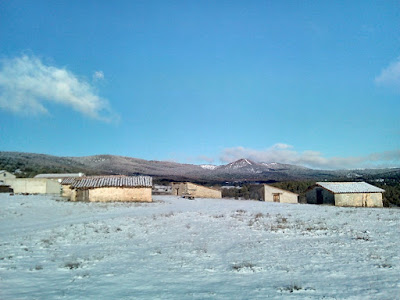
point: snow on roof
(350, 187)
(65, 175)
(112, 181)
(71, 180)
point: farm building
(194, 190)
(66, 182)
(4, 175)
(273, 194)
(112, 188)
(34, 186)
(345, 194)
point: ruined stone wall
(199, 191)
(66, 191)
(179, 188)
(195, 190)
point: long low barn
(104, 189)
(345, 194)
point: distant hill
(30, 164)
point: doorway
(276, 197)
(82, 195)
(320, 197)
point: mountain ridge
(29, 164)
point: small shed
(112, 188)
(345, 194)
(272, 194)
(188, 189)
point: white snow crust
(208, 167)
(196, 249)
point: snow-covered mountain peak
(240, 164)
(208, 167)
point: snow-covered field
(196, 249)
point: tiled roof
(69, 180)
(350, 187)
(112, 181)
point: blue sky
(314, 83)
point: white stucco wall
(34, 186)
(6, 175)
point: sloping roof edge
(207, 187)
(349, 187)
(112, 181)
(286, 191)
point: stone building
(273, 194)
(188, 189)
(345, 194)
(112, 188)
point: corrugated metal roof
(112, 181)
(350, 187)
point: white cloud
(283, 153)
(26, 85)
(205, 158)
(390, 76)
(98, 75)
